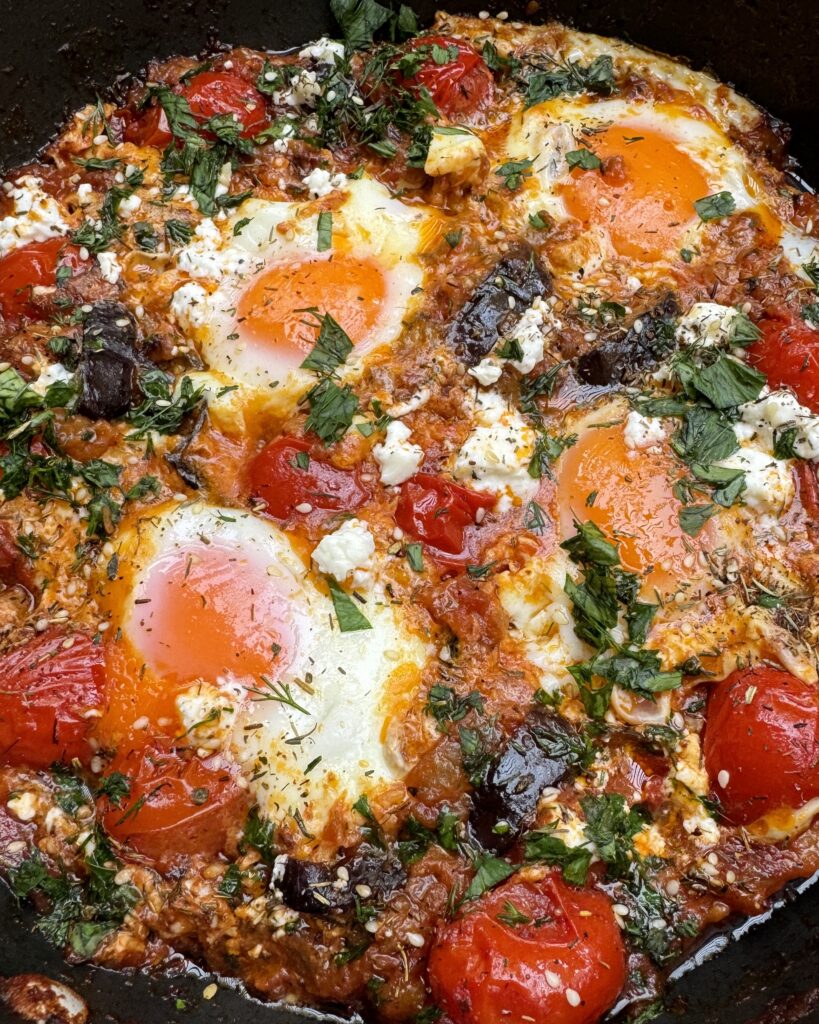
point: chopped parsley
(716, 206)
(350, 619)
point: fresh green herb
(453, 238)
(534, 518)
(686, 255)
(569, 78)
(332, 347)
(812, 270)
(163, 410)
(359, 20)
(743, 331)
(784, 441)
(116, 786)
(611, 825)
(512, 916)
(726, 383)
(540, 221)
(259, 835)
(332, 409)
(70, 790)
(240, 225)
(810, 313)
(489, 872)
(479, 572)
(372, 831)
(584, 159)
(545, 847)
(548, 449)
(497, 62)
(444, 704)
(415, 556)
(178, 232)
(145, 236)
(476, 753)
(513, 172)
(231, 884)
(694, 517)
(510, 349)
(350, 619)
(278, 691)
(95, 163)
(325, 231)
(540, 386)
(713, 207)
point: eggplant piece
(178, 458)
(108, 370)
(543, 752)
(487, 316)
(311, 886)
(620, 360)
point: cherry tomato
(461, 84)
(209, 94)
(788, 355)
(538, 951)
(438, 512)
(46, 690)
(14, 566)
(762, 742)
(30, 266)
(177, 805)
(285, 474)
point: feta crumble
(51, 375)
(348, 548)
(323, 51)
(706, 324)
(206, 255)
(190, 305)
(643, 431)
(36, 216)
(774, 412)
(321, 183)
(110, 268)
(397, 457)
(768, 481)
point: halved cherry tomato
(438, 512)
(285, 474)
(788, 355)
(208, 94)
(538, 951)
(30, 266)
(46, 691)
(14, 566)
(460, 84)
(177, 805)
(762, 742)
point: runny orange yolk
(646, 196)
(628, 495)
(198, 614)
(352, 289)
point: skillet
(52, 57)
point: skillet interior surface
(54, 56)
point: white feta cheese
(207, 255)
(51, 375)
(487, 372)
(302, 91)
(768, 481)
(462, 154)
(324, 51)
(110, 268)
(643, 431)
(190, 305)
(418, 401)
(774, 412)
(348, 548)
(130, 203)
(207, 714)
(321, 183)
(528, 333)
(706, 324)
(397, 456)
(495, 457)
(85, 193)
(36, 216)
(24, 806)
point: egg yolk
(628, 495)
(646, 196)
(352, 289)
(198, 614)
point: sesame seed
(552, 979)
(672, 887)
(209, 991)
(364, 891)
(483, 15)
(730, 877)
(572, 997)
(304, 507)
(100, 140)
(724, 778)
(415, 939)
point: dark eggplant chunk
(178, 458)
(314, 888)
(487, 316)
(108, 370)
(620, 360)
(543, 752)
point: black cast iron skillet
(54, 55)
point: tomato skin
(209, 93)
(45, 690)
(485, 971)
(276, 478)
(177, 805)
(438, 512)
(788, 355)
(30, 266)
(460, 87)
(768, 745)
(807, 488)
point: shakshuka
(408, 524)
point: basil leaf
(359, 20)
(694, 517)
(713, 207)
(332, 347)
(584, 159)
(350, 619)
(728, 383)
(331, 410)
(489, 872)
(325, 231)
(513, 172)
(704, 437)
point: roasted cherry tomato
(762, 742)
(438, 512)
(454, 73)
(46, 692)
(538, 951)
(177, 805)
(788, 355)
(285, 474)
(31, 266)
(209, 94)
